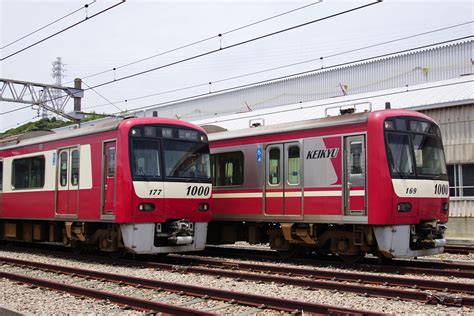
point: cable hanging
(293, 64)
(301, 73)
(49, 24)
(200, 41)
(237, 44)
(63, 30)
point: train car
(140, 185)
(371, 182)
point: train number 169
(194, 190)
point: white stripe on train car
(287, 194)
(172, 190)
(237, 195)
(419, 188)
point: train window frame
(30, 160)
(296, 159)
(111, 161)
(216, 159)
(74, 180)
(63, 173)
(461, 181)
(269, 166)
(413, 125)
(1, 175)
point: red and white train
(142, 185)
(372, 182)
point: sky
(138, 29)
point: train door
(109, 178)
(283, 187)
(355, 175)
(67, 194)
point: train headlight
(446, 207)
(404, 207)
(146, 207)
(203, 207)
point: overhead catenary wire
(84, 7)
(290, 65)
(300, 73)
(202, 40)
(100, 95)
(237, 44)
(63, 30)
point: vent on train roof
(348, 109)
(213, 129)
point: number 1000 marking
(194, 190)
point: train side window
(228, 169)
(294, 165)
(355, 161)
(63, 169)
(274, 166)
(28, 172)
(75, 167)
(111, 162)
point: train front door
(109, 178)
(67, 182)
(355, 175)
(283, 187)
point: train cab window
(28, 172)
(228, 169)
(274, 166)
(293, 165)
(75, 167)
(63, 168)
(146, 159)
(399, 154)
(429, 156)
(355, 161)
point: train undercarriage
(116, 239)
(349, 242)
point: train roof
(347, 119)
(22, 141)
(355, 118)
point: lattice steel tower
(57, 74)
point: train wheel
(353, 258)
(77, 247)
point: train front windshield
(414, 149)
(172, 153)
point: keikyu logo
(322, 153)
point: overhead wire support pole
(41, 95)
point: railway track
(447, 293)
(259, 301)
(459, 249)
(402, 267)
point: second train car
(373, 182)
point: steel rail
(192, 290)
(398, 266)
(371, 278)
(459, 249)
(135, 303)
